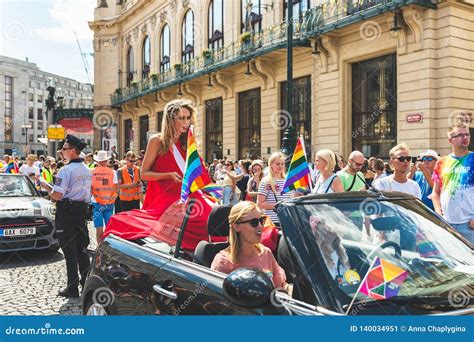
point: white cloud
(68, 16)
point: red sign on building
(414, 117)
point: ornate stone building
(367, 74)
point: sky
(43, 31)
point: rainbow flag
(195, 176)
(383, 280)
(11, 168)
(298, 176)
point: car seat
(217, 225)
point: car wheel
(95, 309)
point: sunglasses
(461, 135)
(67, 148)
(254, 222)
(358, 164)
(427, 159)
(131, 161)
(403, 159)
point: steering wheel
(398, 253)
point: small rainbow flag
(298, 176)
(195, 176)
(383, 280)
(11, 168)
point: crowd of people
(445, 184)
(144, 187)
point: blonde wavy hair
(168, 132)
(270, 178)
(236, 213)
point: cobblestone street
(29, 283)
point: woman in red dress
(163, 167)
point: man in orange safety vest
(104, 193)
(129, 184)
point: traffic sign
(56, 133)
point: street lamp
(26, 127)
(289, 136)
(50, 105)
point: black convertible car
(357, 253)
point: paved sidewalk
(29, 282)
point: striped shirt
(273, 197)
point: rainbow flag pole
(195, 176)
(298, 176)
(309, 175)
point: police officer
(72, 191)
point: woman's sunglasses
(254, 222)
(427, 159)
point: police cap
(75, 142)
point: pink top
(265, 262)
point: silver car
(26, 218)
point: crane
(84, 60)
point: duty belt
(66, 203)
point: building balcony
(333, 15)
(250, 46)
(316, 21)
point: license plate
(18, 232)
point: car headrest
(218, 222)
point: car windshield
(385, 249)
(15, 186)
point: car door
(181, 287)
(128, 268)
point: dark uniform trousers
(73, 237)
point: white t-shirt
(389, 184)
(27, 170)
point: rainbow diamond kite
(383, 280)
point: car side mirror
(248, 288)
(43, 193)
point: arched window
(299, 7)
(165, 48)
(146, 57)
(251, 15)
(187, 52)
(130, 66)
(216, 24)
